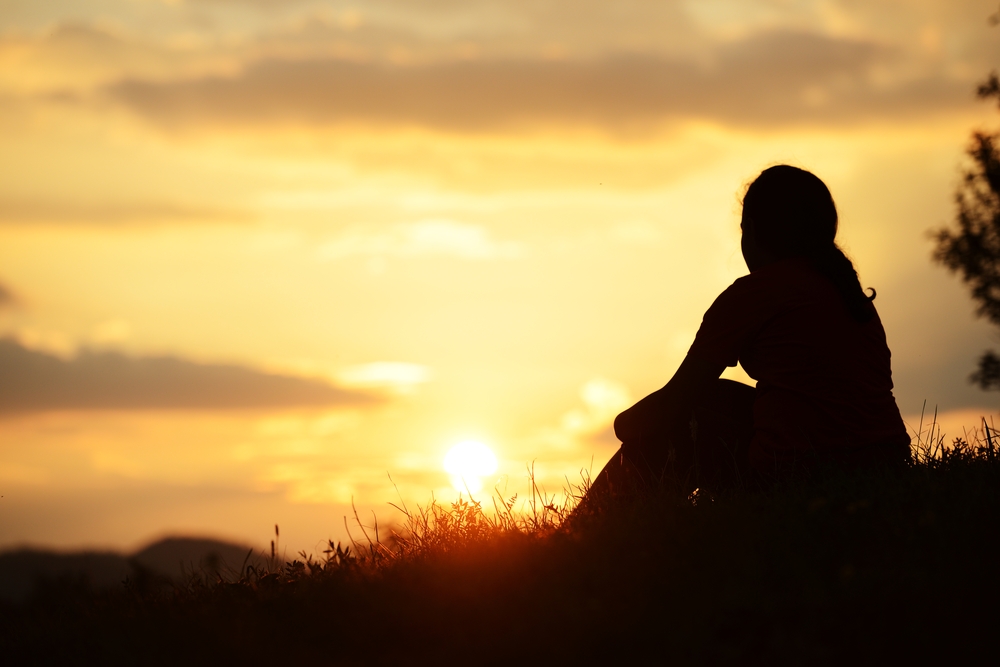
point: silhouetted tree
(973, 249)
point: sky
(267, 262)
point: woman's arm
(665, 407)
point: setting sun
(467, 463)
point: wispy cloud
(602, 399)
(428, 237)
(6, 296)
(34, 381)
(591, 423)
(26, 210)
(398, 376)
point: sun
(467, 463)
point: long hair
(794, 215)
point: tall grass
(867, 567)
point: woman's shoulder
(747, 306)
(787, 287)
(786, 277)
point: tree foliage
(971, 247)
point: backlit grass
(873, 567)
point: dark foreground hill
(875, 568)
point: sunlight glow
(467, 463)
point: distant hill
(175, 557)
(22, 570)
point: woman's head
(789, 212)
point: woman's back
(824, 379)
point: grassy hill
(863, 568)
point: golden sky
(256, 256)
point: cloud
(74, 56)
(765, 80)
(429, 237)
(401, 377)
(593, 423)
(6, 296)
(603, 400)
(26, 210)
(32, 381)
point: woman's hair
(793, 215)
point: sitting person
(801, 325)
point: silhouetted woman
(801, 325)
